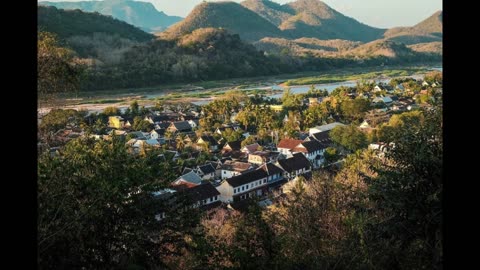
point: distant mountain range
(141, 14)
(429, 30)
(257, 19)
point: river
(297, 89)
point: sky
(377, 13)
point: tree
(57, 119)
(350, 137)
(134, 109)
(96, 195)
(408, 198)
(330, 154)
(310, 226)
(355, 109)
(111, 111)
(140, 124)
(57, 71)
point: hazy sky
(378, 13)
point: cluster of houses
(249, 171)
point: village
(242, 147)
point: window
(234, 190)
(209, 199)
(247, 187)
(216, 197)
(243, 188)
(264, 181)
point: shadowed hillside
(140, 14)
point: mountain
(382, 47)
(100, 38)
(271, 11)
(306, 46)
(313, 18)
(429, 30)
(68, 23)
(430, 47)
(227, 15)
(140, 14)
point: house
(383, 87)
(115, 122)
(387, 100)
(286, 145)
(189, 178)
(297, 165)
(194, 123)
(207, 140)
(128, 122)
(180, 127)
(322, 137)
(232, 168)
(364, 125)
(162, 125)
(232, 146)
(152, 142)
(251, 148)
(262, 157)
(206, 172)
(425, 83)
(312, 150)
(275, 177)
(157, 133)
(241, 187)
(326, 127)
(400, 87)
(205, 195)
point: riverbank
(267, 85)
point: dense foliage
(206, 54)
(67, 23)
(57, 70)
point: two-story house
(206, 171)
(297, 165)
(312, 150)
(286, 145)
(241, 187)
(262, 157)
(232, 168)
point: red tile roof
(288, 143)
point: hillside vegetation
(226, 15)
(140, 14)
(67, 23)
(97, 38)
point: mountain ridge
(137, 13)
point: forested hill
(68, 23)
(227, 15)
(205, 54)
(257, 19)
(141, 14)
